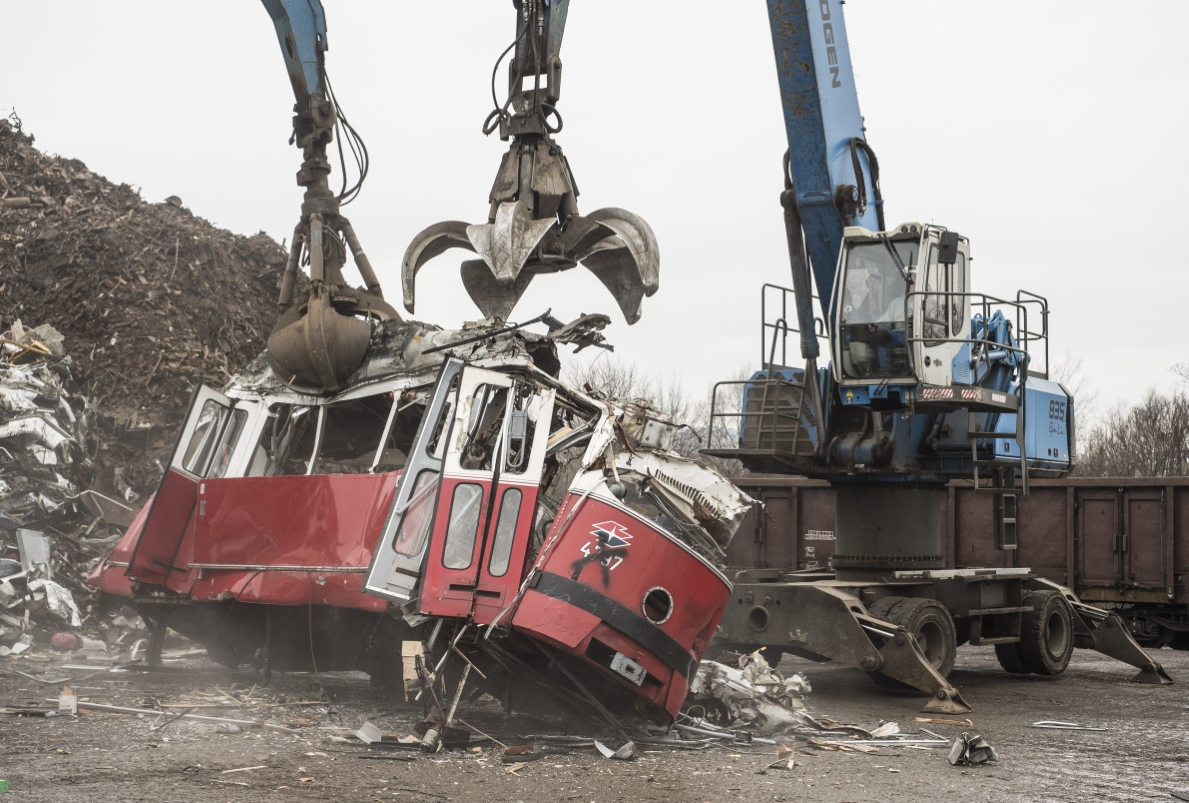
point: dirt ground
(1144, 754)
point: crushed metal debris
(967, 749)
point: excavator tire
(1009, 658)
(1046, 633)
(882, 607)
(932, 626)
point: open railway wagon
(454, 492)
(1120, 543)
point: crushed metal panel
(111, 510)
(34, 549)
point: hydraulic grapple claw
(533, 225)
(615, 245)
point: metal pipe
(876, 630)
(361, 260)
(119, 709)
(317, 269)
(883, 742)
(734, 737)
(1064, 726)
(289, 278)
(249, 567)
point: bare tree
(1067, 370)
(1148, 439)
(624, 381)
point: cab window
(202, 441)
(958, 303)
(484, 425)
(227, 443)
(873, 341)
(459, 549)
(933, 304)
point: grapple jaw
(321, 339)
(535, 228)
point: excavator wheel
(930, 624)
(1046, 633)
(1009, 658)
(881, 609)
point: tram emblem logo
(608, 535)
(611, 535)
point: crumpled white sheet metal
(755, 693)
(38, 427)
(59, 599)
(968, 749)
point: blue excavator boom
(832, 172)
(301, 29)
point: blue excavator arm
(319, 340)
(831, 175)
(301, 30)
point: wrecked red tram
(454, 493)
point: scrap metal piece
(967, 749)
(110, 510)
(625, 753)
(737, 737)
(1064, 726)
(368, 733)
(60, 601)
(754, 693)
(34, 550)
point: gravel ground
(102, 756)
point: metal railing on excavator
(773, 412)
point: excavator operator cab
(899, 308)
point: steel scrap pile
(53, 527)
(151, 299)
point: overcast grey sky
(1049, 133)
